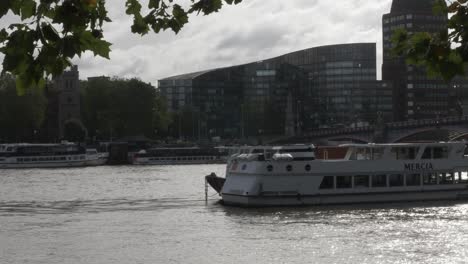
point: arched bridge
(442, 129)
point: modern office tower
(327, 86)
(417, 96)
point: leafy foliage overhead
(445, 53)
(52, 32)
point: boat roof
(299, 146)
(175, 148)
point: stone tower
(67, 87)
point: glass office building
(417, 96)
(328, 86)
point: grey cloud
(250, 31)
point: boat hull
(177, 162)
(44, 165)
(297, 200)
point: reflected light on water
(159, 215)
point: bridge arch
(431, 134)
(463, 136)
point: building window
(261, 73)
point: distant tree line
(21, 117)
(111, 108)
(116, 108)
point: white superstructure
(22, 155)
(291, 175)
(178, 156)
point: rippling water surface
(159, 215)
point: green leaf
(3, 35)
(139, 25)
(41, 83)
(154, 4)
(440, 7)
(23, 83)
(102, 48)
(133, 7)
(97, 46)
(28, 9)
(16, 6)
(49, 32)
(5, 5)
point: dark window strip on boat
(296, 150)
(16, 154)
(304, 158)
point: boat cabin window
(396, 180)
(377, 153)
(367, 154)
(269, 154)
(361, 181)
(445, 178)
(430, 179)
(301, 150)
(435, 153)
(363, 154)
(413, 179)
(327, 183)
(461, 177)
(404, 153)
(379, 180)
(344, 182)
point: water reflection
(159, 215)
(442, 210)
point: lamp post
(298, 119)
(260, 131)
(180, 125)
(34, 135)
(242, 122)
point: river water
(158, 215)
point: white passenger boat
(23, 155)
(291, 175)
(180, 155)
(96, 158)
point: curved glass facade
(327, 86)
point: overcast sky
(253, 30)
